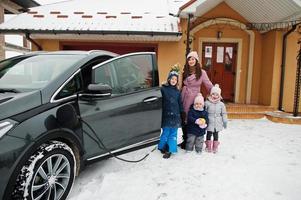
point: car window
(35, 72)
(71, 88)
(127, 74)
(105, 75)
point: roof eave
(101, 32)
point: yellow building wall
(47, 45)
(276, 70)
(170, 53)
(290, 72)
(268, 47)
(256, 84)
(222, 10)
(270, 70)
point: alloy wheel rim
(51, 179)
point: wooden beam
(10, 6)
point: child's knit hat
(194, 54)
(171, 74)
(199, 99)
(216, 89)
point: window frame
(114, 75)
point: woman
(193, 77)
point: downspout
(32, 41)
(188, 33)
(282, 73)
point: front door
(219, 61)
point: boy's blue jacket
(171, 106)
(192, 127)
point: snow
(257, 159)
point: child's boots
(208, 146)
(167, 155)
(215, 146)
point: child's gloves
(225, 124)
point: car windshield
(33, 72)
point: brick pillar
(2, 52)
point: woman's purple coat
(192, 87)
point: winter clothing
(171, 74)
(171, 117)
(193, 116)
(199, 99)
(217, 116)
(194, 54)
(167, 155)
(192, 87)
(215, 146)
(195, 133)
(216, 89)
(171, 107)
(210, 133)
(208, 145)
(168, 140)
(193, 140)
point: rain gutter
(27, 35)
(90, 32)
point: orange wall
(221, 10)
(256, 84)
(290, 72)
(270, 71)
(268, 46)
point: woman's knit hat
(199, 99)
(194, 54)
(216, 89)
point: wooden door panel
(220, 66)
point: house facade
(252, 58)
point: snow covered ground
(257, 159)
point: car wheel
(48, 174)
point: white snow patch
(257, 159)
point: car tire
(48, 174)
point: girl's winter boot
(215, 146)
(208, 146)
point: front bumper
(11, 149)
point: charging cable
(102, 146)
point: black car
(60, 111)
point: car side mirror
(98, 90)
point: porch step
(282, 117)
(246, 111)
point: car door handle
(151, 99)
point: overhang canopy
(255, 11)
(144, 19)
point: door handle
(151, 99)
